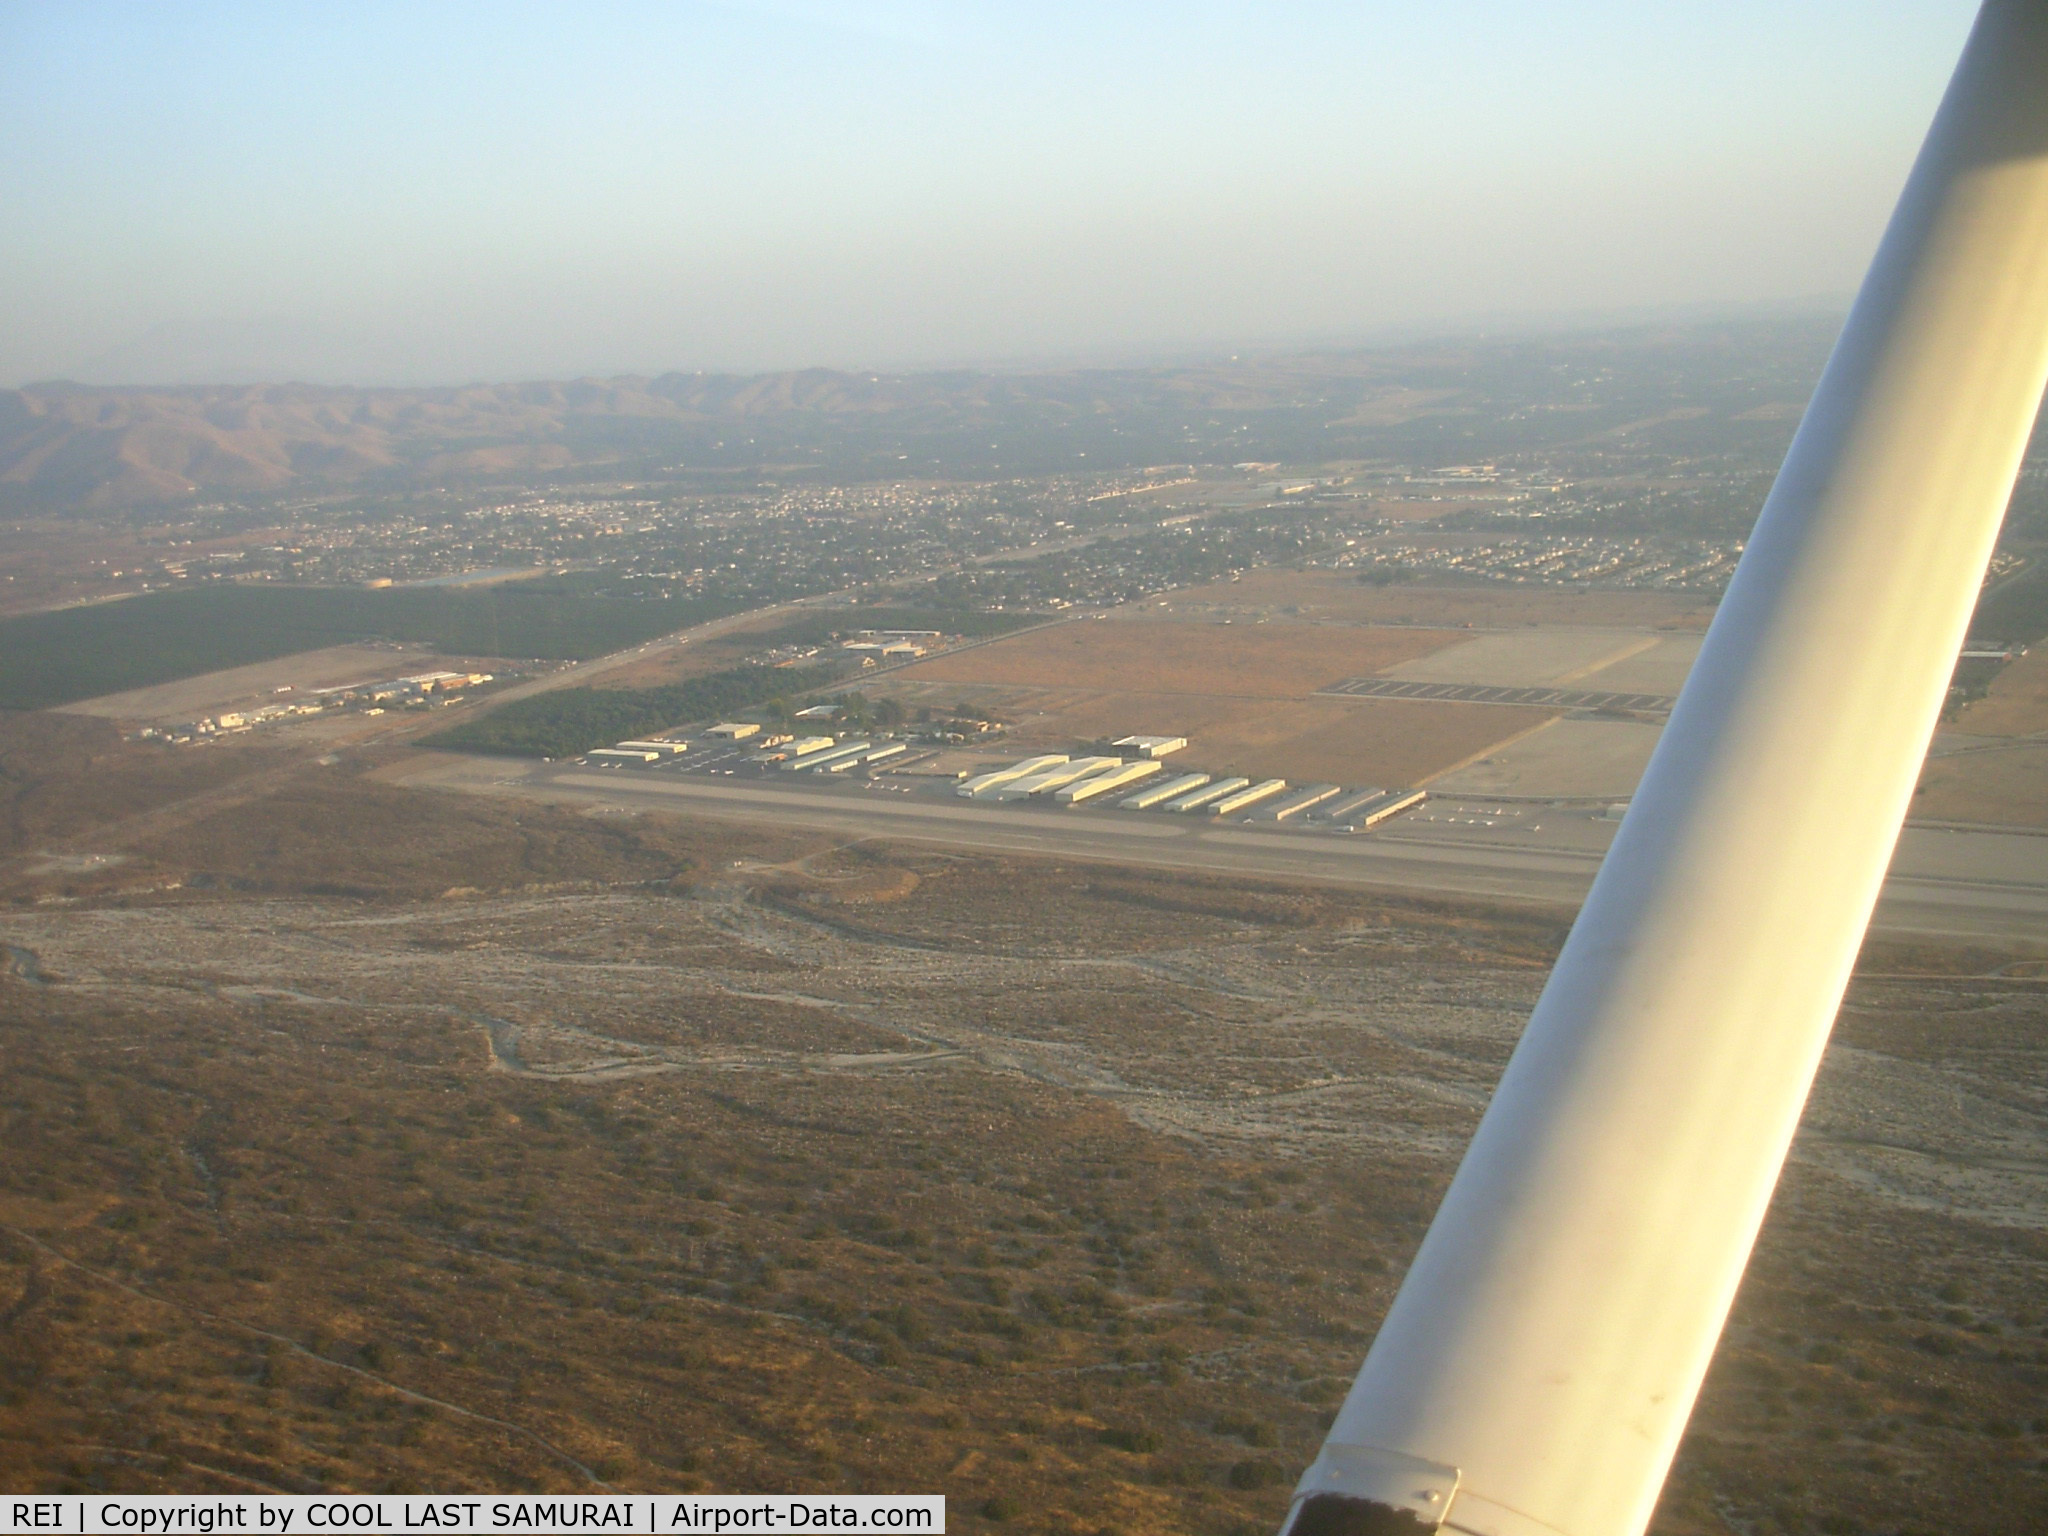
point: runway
(1986, 886)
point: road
(1985, 886)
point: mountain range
(90, 448)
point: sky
(436, 193)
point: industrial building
(1206, 795)
(828, 755)
(1238, 800)
(857, 755)
(888, 650)
(1154, 794)
(1151, 746)
(978, 787)
(1047, 779)
(1133, 779)
(1102, 783)
(1301, 800)
(1392, 803)
(1344, 807)
(795, 747)
(620, 757)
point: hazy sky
(438, 191)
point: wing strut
(1539, 1364)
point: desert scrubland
(371, 1138)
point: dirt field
(1404, 510)
(2007, 786)
(1616, 660)
(2017, 704)
(1255, 661)
(2004, 785)
(1342, 741)
(211, 692)
(1571, 757)
(1366, 741)
(1333, 595)
(1661, 668)
(1241, 693)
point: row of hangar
(825, 754)
(1134, 779)
(1143, 785)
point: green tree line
(567, 721)
(69, 654)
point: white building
(1155, 794)
(1241, 799)
(982, 785)
(1102, 783)
(1208, 794)
(1152, 746)
(1049, 779)
(1301, 800)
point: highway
(1985, 886)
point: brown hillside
(1671, 389)
(91, 447)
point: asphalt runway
(1961, 885)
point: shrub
(1256, 1474)
(1139, 1442)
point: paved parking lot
(1481, 693)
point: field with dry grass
(1403, 509)
(1336, 596)
(1996, 785)
(1991, 763)
(1242, 694)
(1341, 741)
(2017, 702)
(1253, 661)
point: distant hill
(71, 446)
